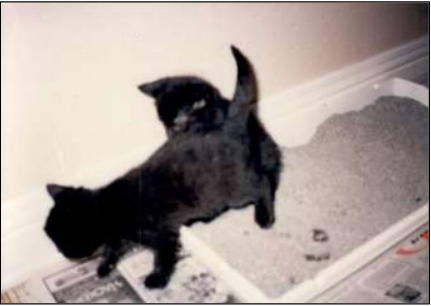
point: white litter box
(234, 247)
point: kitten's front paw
(263, 219)
(156, 280)
(104, 269)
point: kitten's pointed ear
(54, 189)
(153, 89)
(246, 91)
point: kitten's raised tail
(246, 91)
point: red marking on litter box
(416, 245)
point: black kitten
(191, 105)
(189, 178)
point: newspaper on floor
(78, 283)
(400, 275)
(191, 283)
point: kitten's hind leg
(166, 256)
(264, 214)
(112, 253)
(274, 178)
(271, 163)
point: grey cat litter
(360, 173)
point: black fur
(179, 103)
(193, 176)
(176, 101)
(187, 179)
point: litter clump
(320, 235)
(320, 257)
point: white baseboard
(291, 117)
(280, 112)
(408, 61)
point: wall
(69, 71)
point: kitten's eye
(181, 119)
(199, 104)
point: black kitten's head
(186, 103)
(191, 104)
(72, 222)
